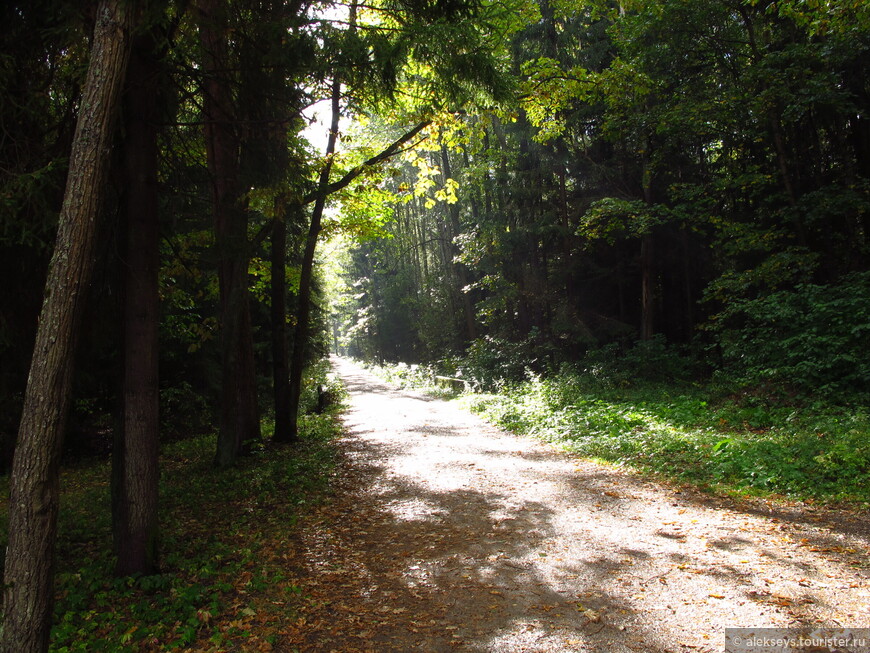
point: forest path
(447, 534)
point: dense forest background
(665, 172)
(672, 173)
(506, 189)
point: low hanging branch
(326, 189)
(394, 149)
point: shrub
(820, 452)
(320, 388)
(491, 363)
(654, 360)
(812, 338)
(184, 411)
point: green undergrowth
(719, 436)
(744, 443)
(417, 377)
(222, 584)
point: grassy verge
(224, 540)
(734, 444)
(730, 442)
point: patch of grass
(223, 534)
(810, 451)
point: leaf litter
(445, 534)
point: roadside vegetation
(414, 376)
(224, 530)
(653, 409)
(748, 442)
(638, 229)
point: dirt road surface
(447, 534)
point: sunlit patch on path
(449, 535)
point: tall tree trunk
(135, 454)
(688, 321)
(776, 132)
(33, 504)
(459, 270)
(647, 262)
(239, 421)
(300, 337)
(280, 367)
(424, 239)
(567, 245)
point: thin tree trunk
(689, 306)
(300, 338)
(33, 504)
(280, 367)
(239, 421)
(324, 188)
(566, 236)
(459, 271)
(424, 253)
(135, 454)
(647, 262)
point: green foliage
(183, 411)
(731, 137)
(815, 452)
(404, 375)
(218, 527)
(418, 377)
(644, 361)
(812, 338)
(642, 408)
(490, 363)
(549, 92)
(611, 217)
(317, 379)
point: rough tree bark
(135, 454)
(240, 420)
(33, 504)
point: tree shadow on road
(448, 535)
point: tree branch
(326, 190)
(387, 153)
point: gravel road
(447, 534)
